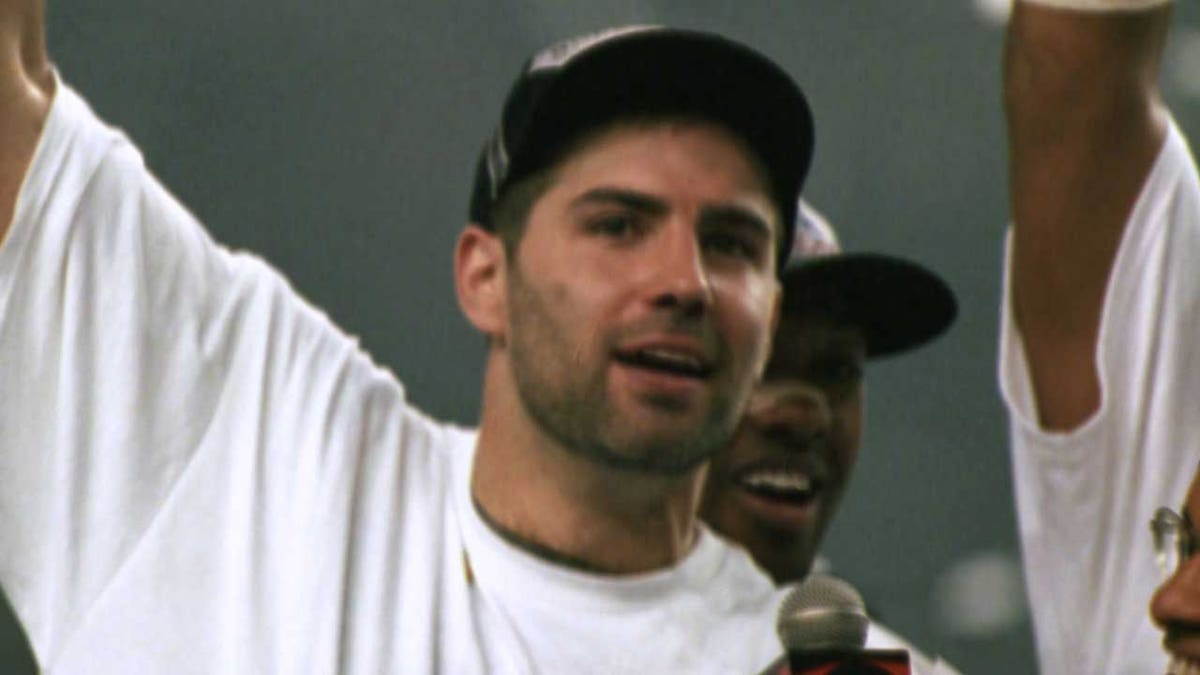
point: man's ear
(479, 279)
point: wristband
(1101, 5)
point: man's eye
(732, 244)
(618, 225)
(839, 373)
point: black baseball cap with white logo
(583, 83)
(897, 303)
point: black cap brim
(898, 304)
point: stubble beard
(563, 388)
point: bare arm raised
(26, 88)
(1085, 123)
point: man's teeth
(672, 359)
(781, 481)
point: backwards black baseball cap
(580, 84)
(897, 303)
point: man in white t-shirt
(200, 474)
(1098, 357)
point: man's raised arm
(1101, 293)
(26, 88)
(1085, 124)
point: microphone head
(822, 613)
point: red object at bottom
(872, 662)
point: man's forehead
(624, 134)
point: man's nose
(1177, 601)
(797, 421)
(681, 279)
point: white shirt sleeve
(130, 345)
(1085, 497)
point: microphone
(823, 626)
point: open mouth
(779, 485)
(667, 361)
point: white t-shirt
(1085, 498)
(200, 474)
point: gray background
(337, 139)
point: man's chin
(665, 459)
(663, 446)
(790, 564)
(788, 519)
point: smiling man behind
(777, 487)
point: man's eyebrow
(632, 199)
(737, 216)
(713, 214)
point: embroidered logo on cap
(814, 235)
(560, 52)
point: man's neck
(569, 509)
